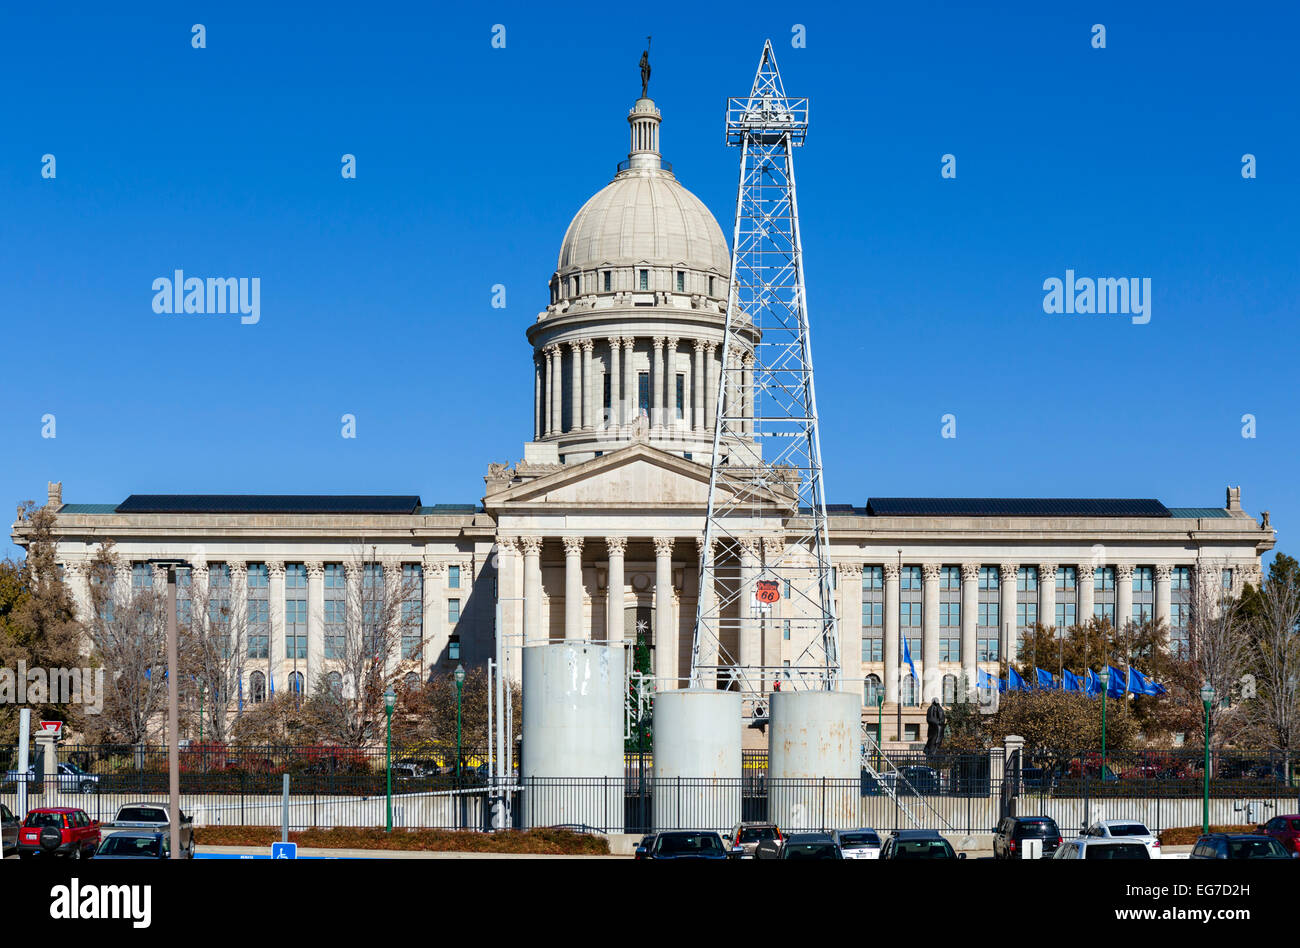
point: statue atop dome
(645, 68)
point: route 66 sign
(767, 591)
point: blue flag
(907, 657)
(985, 680)
(1140, 684)
(1091, 684)
(1071, 681)
(1014, 681)
(1117, 681)
(1046, 680)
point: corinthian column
(1164, 594)
(970, 597)
(751, 651)
(614, 605)
(588, 396)
(575, 387)
(747, 384)
(556, 380)
(614, 419)
(573, 624)
(666, 670)
(698, 386)
(850, 575)
(710, 384)
(1008, 574)
(532, 547)
(670, 383)
(629, 407)
(891, 645)
(657, 384)
(537, 399)
(708, 612)
(931, 679)
(1123, 595)
(1047, 594)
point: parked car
(1284, 829)
(1132, 829)
(1238, 846)
(918, 844)
(69, 778)
(643, 848)
(1010, 834)
(877, 785)
(8, 831)
(810, 846)
(747, 836)
(61, 830)
(688, 844)
(920, 779)
(1103, 847)
(858, 844)
(136, 844)
(153, 817)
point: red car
(58, 830)
(1286, 830)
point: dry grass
(538, 841)
(1187, 835)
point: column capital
(1123, 572)
(672, 341)
(587, 344)
(659, 341)
(199, 570)
(711, 346)
(1163, 572)
(700, 345)
(573, 546)
(238, 569)
(891, 571)
(1085, 572)
(433, 569)
(1047, 571)
(1007, 572)
(930, 572)
(850, 570)
(663, 546)
(773, 547)
(548, 350)
(629, 342)
(616, 546)
(970, 572)
(315, 569)
(530, 545)
(507, 545)
(699, 544)
(352, 571)
(749, 545)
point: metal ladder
(869, 749)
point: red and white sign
(52, 727)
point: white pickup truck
(152, 816)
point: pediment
(635, 476)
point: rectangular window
(1178, 613)
(873, 615)
(453, 612)
(1143, 578)
(1180, 577)
(1065, 615)
(950, 578)
(335, 576)
(1105, 610)
(295, 576)
(606, 281)
(1065, 577)
(873, 648)
(988, 577)
(1104, 578)
(949, 649)
(873, 578)
(950, 615)
(643, 392)
(1027, 579)
(710, 286)
(295, 627)
(987, 648)
(909, 615)
(681, 282)
(1026, 614)
(1226, 579)
(453, 577)
(785, 630)
(257, 576)
(681, 397)
(910, 578)
(1142, 612)
(412, 629)
(645, 279)
(141, 576)
(988, 615)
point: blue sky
(925, 293)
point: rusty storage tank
(814, 760)
(697, 762)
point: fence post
(605, 788)
(823, 804)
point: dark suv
(1010, 834)
(1238, 846)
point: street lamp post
(460, 686)
(1104, 675)
(390, 699)
(173, 712)
(1207, 697)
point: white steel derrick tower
(766, 533)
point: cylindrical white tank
(572, 755)
(697, 764)
(814, 760)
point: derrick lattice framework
(765, 573)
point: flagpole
(897, 605)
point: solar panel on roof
(1014, 507)
(270, 503)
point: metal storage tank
(814, 760)
(573, 728)
(697, 761)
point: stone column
(557, 379)
(970, 597)
(615, 607)
(850, 579)
(931, 679)
(751, 647)
(657, 384)
(239, 610)
(1047, 594)
(629, 380)
(433, 577)
(574, 630)
(1085, 588)
(710, 385)
(747, 386)
(670, 385)
(665, 657)
(891, 644)
(508, 589)
(708, 612)
(276, 647)
(588, 393)
(1007, 577)
(1163, 594)
(615, 383)
(1123, 594)
(698, 386)
(537, 399)
(575, 387)
(315, 624)
(532, 547)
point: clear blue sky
(925, 294)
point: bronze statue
(645, 68)
(934, 726)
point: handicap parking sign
(284, 850)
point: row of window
(294, 683)
(1180, 578)
(873, 691)
(606, 278)
(295, 575)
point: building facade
(596, 533)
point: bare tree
(127, 629)
(1218, 653)
(214, 647)
(367, 646)
(1274, 630)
